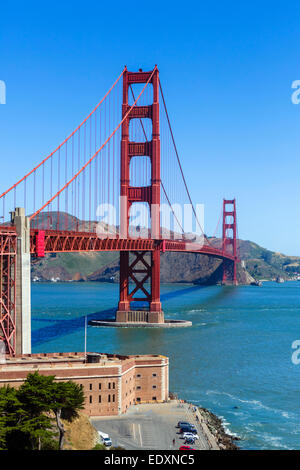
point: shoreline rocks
(224, 440)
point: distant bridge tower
(140, 271)
(229, 241)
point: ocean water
(235, 360)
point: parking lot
(151, 427)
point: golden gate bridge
(122, 155)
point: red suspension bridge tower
(140, 270)
(229, 241)
(59, 181)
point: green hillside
(265, 264)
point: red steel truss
(8, 252)
(74, 242)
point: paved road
(151, 427)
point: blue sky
(226, 68)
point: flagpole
(85, 336)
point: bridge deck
(74, 242)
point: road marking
(141, 441)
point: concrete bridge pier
(23, 282)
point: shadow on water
(225, 292)
(179, 292)
(217, 294)
(64, 326)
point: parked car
(181, 424)
(190, 428)
(105, 439)
(186, 448)
(189, 440)
(185, 429)
(190, 434)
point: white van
(105, 439)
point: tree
(35, 395)
(25, 413)
(37, 429)
(24, 424)
(43, 394)
(19, 428)
(10, 413)
(67, 400)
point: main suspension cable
(92, 158)
(162, 185)
(179, 163)
(71, 135)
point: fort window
(154, 375)
(91, 386)
(99, 386)
(109, 385)
(153, 398)
(99, 398)
(153, 386)
(138, 376)
(108, 398)
(138, 387)
(114, 398)
(138, 399)
(91, 399)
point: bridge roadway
(67, 241)
(54, 241)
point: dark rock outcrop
(216, 427)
